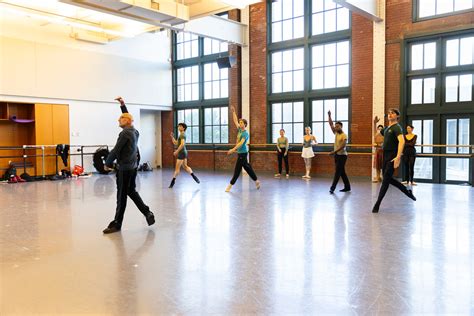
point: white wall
(39, 65)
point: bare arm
(234, 117)
(343, 145)
(175, 142)
(376, 120)
(180, 147)
(237, 146)
(331, 123)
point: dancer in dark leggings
(282, 152)
(409, 156)
(393, 145)
(340, 156)
(242, 151)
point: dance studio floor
(288, 248)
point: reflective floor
(289, 247)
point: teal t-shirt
(390, 134)
(243, 135)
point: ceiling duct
(153, 12)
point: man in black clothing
(393, 145)
(126, 153)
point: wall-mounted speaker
(226, 62)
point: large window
(433, 8)
(287, 70)
(289, 116)
(216, 126)
(287, 20)
(328, 17)
(216, 82)
(339, 112)
(309, 64)
(201, 89)
(439, 103)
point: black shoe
(375, 209)
(331, 191)
(410, 195)
(345, 190)
(150, 219)
(111, 229)
(172, 183)
(195, 178)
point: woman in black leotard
(409, 156)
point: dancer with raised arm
(241, 147)
(340, 155)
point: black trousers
(126, 187)
(282, 156)
(388, 178)
(242, 162)
(409, 166)
(340, 161)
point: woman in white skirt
(308, 154)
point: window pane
(187, 117)
(224, 115)
(276, 62)
(465, 88)
(180, 116)
(329, 105)
(457, 169)
(423, 168)
(329, 54)
(298, 7)
(318, 110)
(276, 32)
(277, 83)
(318, 56)
(276, 113)
(462, 5)
(287, 112)
(318, 132)
(318, 24)
(329, 4)
(429, 90)
(467, 51)
(276, 11)
(329, 77)
(195, 134)
(287, 9)
(452, 52)
(208, 134)
(426, 8)
(208, 116)
(287, 60)
(430, 55)
(318, 5)
(463, 135)
(343, 52)
(452, 89)
(328, 134)
(224, 134)
(343, 76)
(329, 21)
(298, 80)
(288, 131)
(216, 116)
(207, 90)
(224, 89)
(342, 110)
(417, 57)
(416, 91)
(195, 116)
(451, 135)
(417, 130)
(195, 91)
(298, 111)
(318, 78)
(287, 81)
(298, 131)
(342, 19)
(298, 59)
(428, 135)
(216, 134)
(215, 89)
(298, 27)
(187, 93)
(444, 6)
(287, 30)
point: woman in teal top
(242, 150)
(282, 152)
(181, 154)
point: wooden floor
(288, 248)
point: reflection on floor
(289, 247)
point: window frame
(415, 11)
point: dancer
(242, 151)
(307, 153)
(378, 141)
(125, 152)
(409, 156)
(181, 154)
(393, 145)
(340, 155)
(282, 152)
